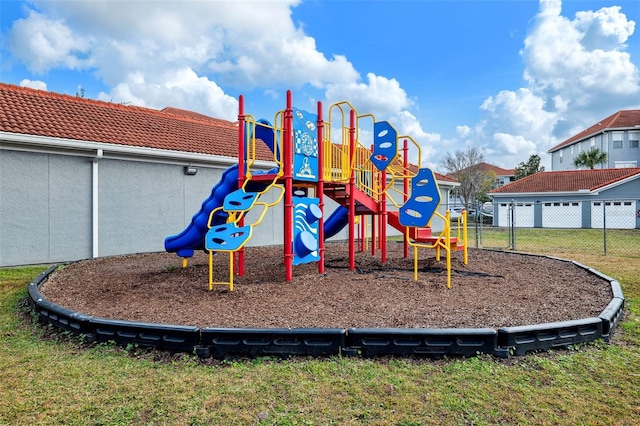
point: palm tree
(590, 158)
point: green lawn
(49, 380)
(624, 243)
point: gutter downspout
(94, 203)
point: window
(561, 155)
(616, 139)
(633, 139)
(592, 142)
(572, 148)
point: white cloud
(178, 53)
(605, 29)
(582, 61)
(42, 43)
(33, 84)
(181, 88)
(379, 94)
(511, 144)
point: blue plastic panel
(423, 202)
(227, 237)
(385, 144)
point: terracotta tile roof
(488, 168)
(499, 171)
(567, 181)
(42, 113)
(622, 119)
(444, 178)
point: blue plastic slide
(192, 238)
(336, 221)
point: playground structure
(312, 163)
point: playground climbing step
(240, 201)
(227, 237)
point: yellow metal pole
(448, 267)
(464, 232)
(230, 271)
(210, 270)
(184, 262)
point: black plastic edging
(368, 342)
(175, 338)
(611, 317)
(538, 337)
(51, 313)
(438, 342)
(256, 342)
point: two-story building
(617, 135)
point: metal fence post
(604, 226)
(477, 226)
(512, 228)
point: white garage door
(562, 215)
(523, 215)
(619, 214)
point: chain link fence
(604, 227)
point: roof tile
(567, 181)
(41, 113)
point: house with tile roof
(81, 178)
(503, 176)
(571, 199)
(617, 135)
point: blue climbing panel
(239, 201)
(423, 202)
(385, 145)
(227, 237)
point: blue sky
(512, 77)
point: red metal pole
(373, 216)
(405, 163)
(383, 219)
(352, 204)
(373, 235)
(241, 172)
(288, 186)
(320, 189)
(361, 234)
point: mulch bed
(494, 289)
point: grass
(53, 379)
(623, 243)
